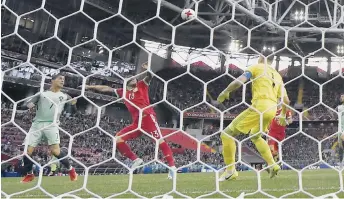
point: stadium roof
(250, 24)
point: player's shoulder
(142, 83)
(255, 66)
(341, 107)
(259, 68)
(45, 93)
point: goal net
(106, 42)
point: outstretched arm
(100, 88)
(290, 120)
(149, 76)
(285, 99)
(71, 105)
(233, 86)
(73, 100)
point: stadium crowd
(95, 145)
(90, 147)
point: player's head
(131, 83)
(266, 54)
(57, 80)
(342, 98)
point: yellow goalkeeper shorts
(249, 120)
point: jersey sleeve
(253, 70)
(118, 92)
(33, 99)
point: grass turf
(316, 182)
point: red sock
(125, 150)
(166, 150)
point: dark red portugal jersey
(275, 128)
(138, 96)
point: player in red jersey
(137, 93)
(277, 131)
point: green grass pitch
(316, 182)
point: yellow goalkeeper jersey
(267, 83)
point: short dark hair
(56, 76)
(268, 54)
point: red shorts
(274, 144)
(149, 125)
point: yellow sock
(264, 150)
(228, 151)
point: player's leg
(128, 133)
(237, 126)
(150, 125)
(341, 147)
(228, 153)
(33, 138)
(53, 168)
(261, 145)
(51, 132)
(273, 146)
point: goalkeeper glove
(282, 120)
(224, 95)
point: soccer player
(43, 126)
(137, 93)
(340, 110)
(277, 131)
(267, 88)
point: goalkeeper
(267, 88)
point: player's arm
(290, 120)
(71, 105)
(285, 99)
(283, 118)
(72, 100)
(233, 86)
(148, 78)
(100, 88)
(289, 117)
(30, 103)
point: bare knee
(30, 150)
(55, 149)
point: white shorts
(40, 131)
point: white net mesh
(101, 42)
